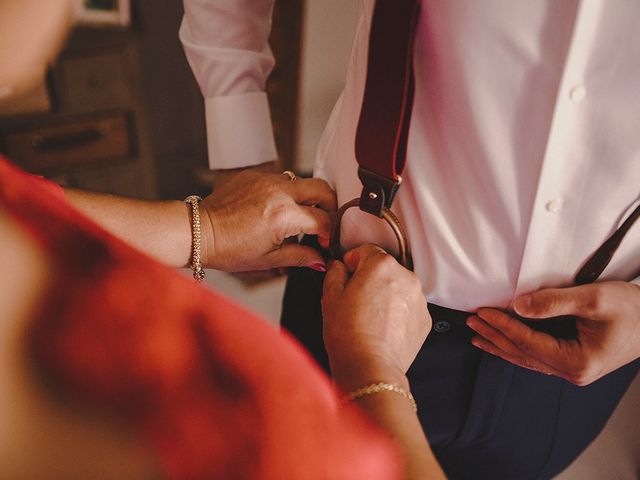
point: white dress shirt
(524, 148)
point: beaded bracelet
(196, 233)
(382, 387)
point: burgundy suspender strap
(383, 128)
(596, 264)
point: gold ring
(290, 174)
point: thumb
(294, 255)
(334, 282)
(553, 302)
(354, 259)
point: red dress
(216, 391)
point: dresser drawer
(97, 139)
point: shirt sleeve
(226, 44)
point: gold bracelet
(196, 234)
(382, 387)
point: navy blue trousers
(484, 418)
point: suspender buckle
(404, 252)
(378, 191)
(377, 195)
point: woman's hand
(375, 320)
(247, 220)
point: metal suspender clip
(376, 199)
(377, 192)
(404, 252)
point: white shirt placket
(547, 253)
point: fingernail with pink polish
(318, 267)
(324, 242)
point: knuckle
(277, 215)
(578, 380)
(523, 343)
(324, 187)
(582, 375)
(415, 285)
(415, 282)
(550, 304)
(383, 264)
(528, 364)
(520, 344)
(546, 302)
(594, 301)
(269, 188)
(386, 261)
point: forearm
(161, 229)
(394, 414)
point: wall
(328, 30)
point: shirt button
(554, 205)
(442, 326)
(577, 93)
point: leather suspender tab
(383, 127)
(378, 191)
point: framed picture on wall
(103, 12)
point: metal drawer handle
(67, 140)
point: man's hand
(374, 320)
(607, 319)
(248, 218)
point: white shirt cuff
(239, 131)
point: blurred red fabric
(216, 391)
